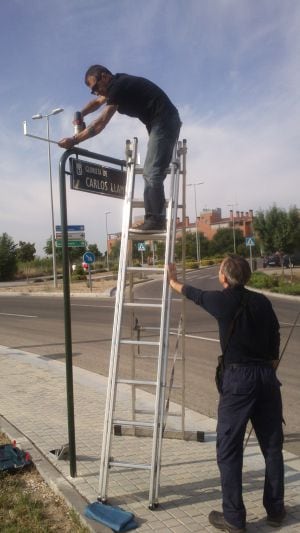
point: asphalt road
(35, 324)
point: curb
(56, 481)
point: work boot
(217, 520)
(276, 520)
(152, 224)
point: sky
(231, 67)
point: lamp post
(106, 215)
(198, 249)
(233, 226)
(46, 116)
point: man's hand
(172, 272)
(67, 142)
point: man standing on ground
(249, 389)
(136, 97)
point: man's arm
(93, 105)
(93, 129)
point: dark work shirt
(256, 332)
(140, 98)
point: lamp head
(56, 111)
(39, 115)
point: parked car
(292, 260)
(272, 261)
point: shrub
(259, 280)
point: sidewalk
(33, 400)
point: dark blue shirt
(256, 332)
(140, 98)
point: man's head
(234, 270)
(97, 78)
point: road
(35, 324)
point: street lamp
(233, 226)
(46, 116)
(106, 215)
(196, 226)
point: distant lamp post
(198, 247)
(233, 225)
(46, 116)
(107, 246)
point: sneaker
(276, 520)
(151, 225)
(217, 520)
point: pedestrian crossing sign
(250, 241)
(141, 247)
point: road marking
(95, 306)
(22, 316)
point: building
(208, 223)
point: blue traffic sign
(71, 228)
(250, 241)
(141, 247)
(89, 258)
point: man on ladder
(136, 97)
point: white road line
(22, 316)
(94, 306)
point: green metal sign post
(66, 287)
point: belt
(261, 364)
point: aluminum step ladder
(121, 339)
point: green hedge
(274, 283)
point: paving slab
(34, 408)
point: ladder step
(140, 343)
(139, 202)
(140, 170)
(137, 382)
(159, 270)
(145, 305)
(148, 412)
(135, 423)
(158, 236)
(130, 465)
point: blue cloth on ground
(113, 517)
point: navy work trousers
(250, 393)
(162, 138)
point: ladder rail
(169, 255)
(111, 389)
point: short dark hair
(236, 269)
(95, 70)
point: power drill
(79, 125)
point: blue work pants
(250, 393)
(162, 138)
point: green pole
(67, 314)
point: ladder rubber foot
(102, 500)
(153, 506)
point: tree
(278, 230)
(191, 246)
(95, 250)
(26, 252)
(222, 241)
(8, 258)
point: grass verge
(28, 505)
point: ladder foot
(102, 500)
(153, 506)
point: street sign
(89, 258)
(97, 179)
(141, 247)
(72, 235)
(250, 241)
(72, 243)
(71, 228)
